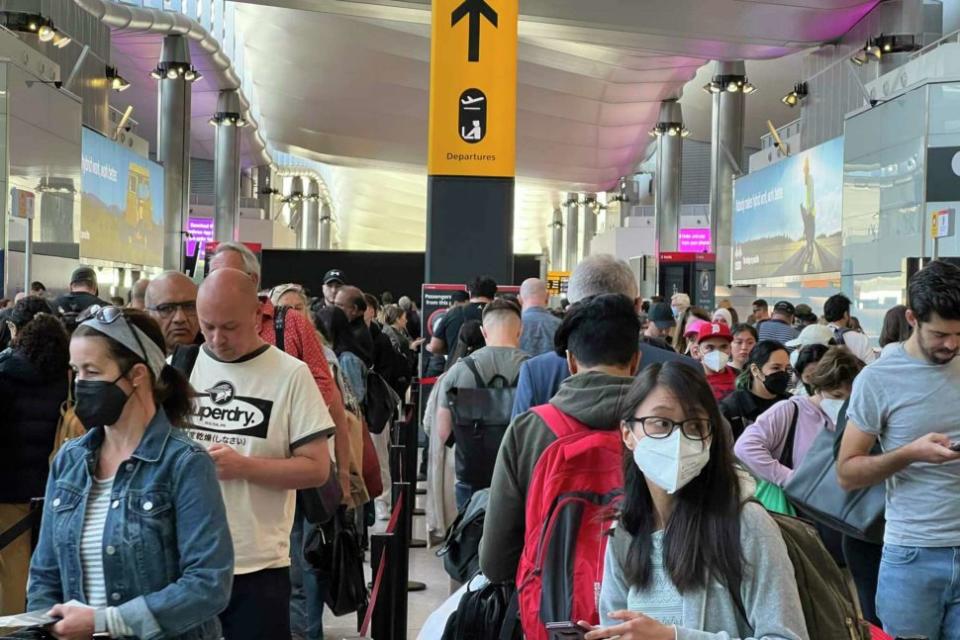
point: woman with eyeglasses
(690, 556)
(762, 383)
(134, 525)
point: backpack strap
(786, 456)
(468, 361)
(184, 358)
(562, 424)
(279, 323)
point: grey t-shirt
(490, 361)
(900, 399)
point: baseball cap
(812, 334)
(693, 327)
(714, 330)
(334, 275)
(83, 274)
(661, 315)
(785, 307)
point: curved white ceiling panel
(346, 83)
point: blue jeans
(919, 591)
(307, 589)
(462, 492)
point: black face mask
(777, 383)
(98, 403)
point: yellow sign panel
(557, 282)
(473, 88)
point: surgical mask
(716, 360)
(777, 383)
(832, 407)
(676, 312)
(98, 403)
(671, 462)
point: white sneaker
(382, 508)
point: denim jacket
(168, 555)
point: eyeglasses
(657, 427)
(169, 309)
(109, 315)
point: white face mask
(716, 360)
(831, 407)
(672, 462)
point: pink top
(761, 444)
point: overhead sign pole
(472, 143)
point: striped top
(91, 556)
(91, 542)
(777, 330)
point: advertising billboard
(121, 203)
(787, 217)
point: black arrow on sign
(474, 9)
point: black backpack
(489, 613)
(461, 548)
(481, 416)
(838, 334)
(381, 404)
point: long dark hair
(469, 340)
(172, 391)
(41, 338)
(702, 537)
(760, 355)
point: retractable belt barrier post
(386, 615)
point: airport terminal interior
(480, 319)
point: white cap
(725, 314)
(813, 334)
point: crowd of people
(213, 414)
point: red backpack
(575, 485)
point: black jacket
(77, 302)
(30, 409)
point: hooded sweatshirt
(592, 398)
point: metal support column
(263, 176)
(175, 74)
(556, 244)
(590, 210)
(295, 202)
(573, 231)
(311, 211)
(226, 166)
(670, 133)
(726, 154)
(326, 227)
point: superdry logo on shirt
(220, 409)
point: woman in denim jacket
(134, 524)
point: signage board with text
(473, 88)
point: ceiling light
(798, 93)
(859, 58)
(672, 129)
(175, 70)
(60, 40)
(172, 74)
(733, 87)
(730, 84)
(117, 82)
(874, 50)
(748, 88)
(46, 33)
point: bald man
(138, 294)
(171, 299)
(263, 420)
(539, 325)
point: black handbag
(333, 549)
(815, 490)
(481, 416)
(320, 504)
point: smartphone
(565, 631)
(955, 446)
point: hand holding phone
(565, 631)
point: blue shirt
(540, 377)
(539, 327)
(168, 556)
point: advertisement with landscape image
(121, 205)
(787, 217)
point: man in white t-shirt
(262, 418)
(836, 311)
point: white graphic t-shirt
(264, 405)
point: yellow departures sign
(473, 88)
